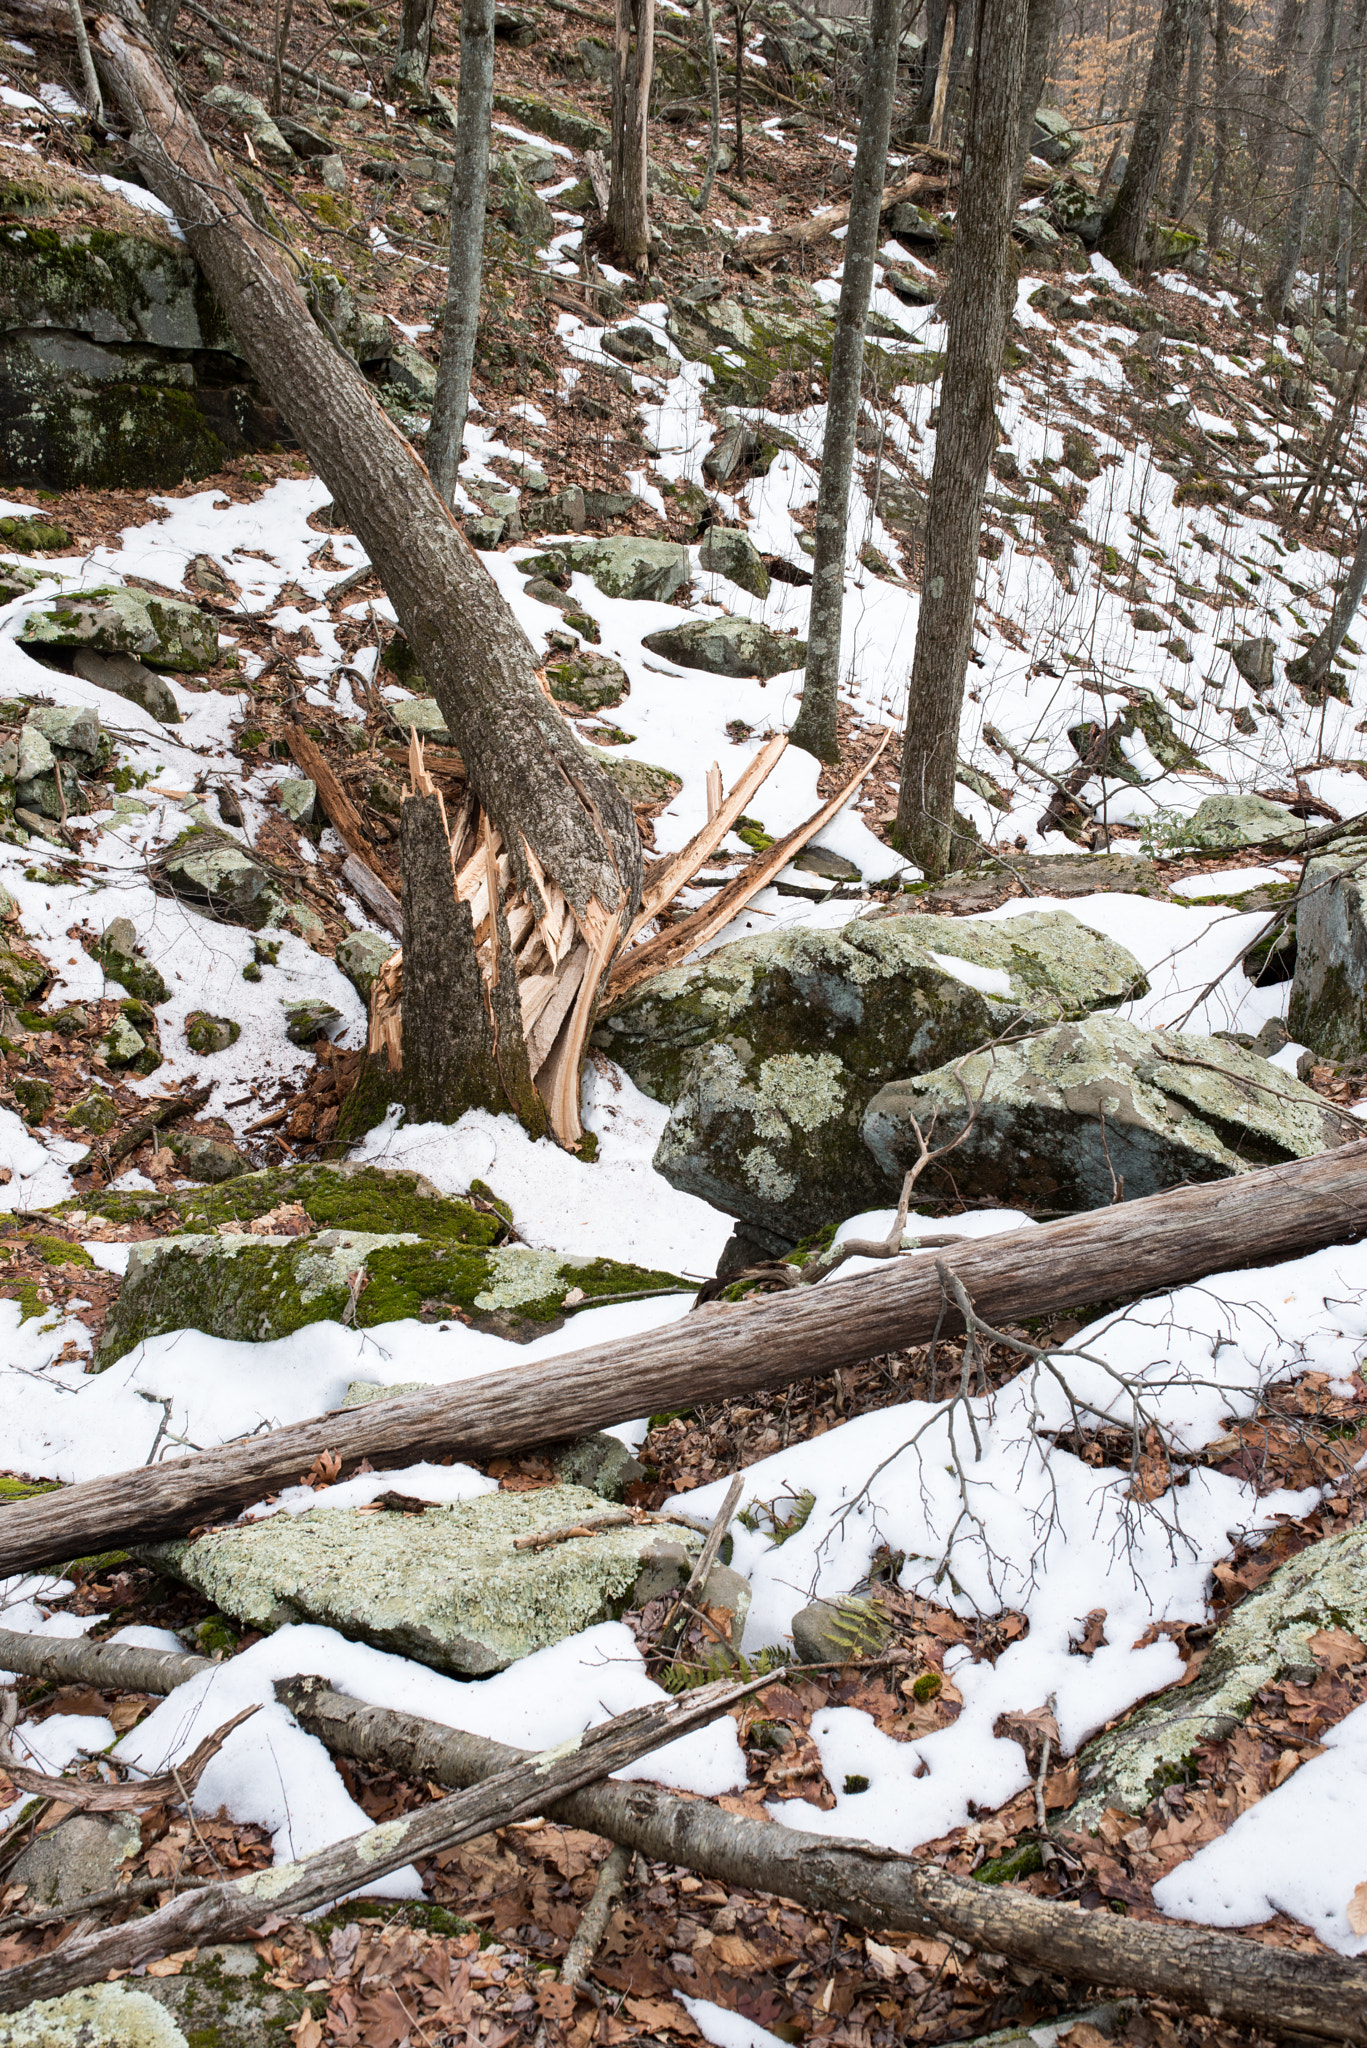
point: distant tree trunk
(1308, 670)
(1191, 117)
(284, 16)
(981, 293)
(816, 721)
(1039, 35)
(469, 192)
(742, 15)
(1215, 215)
(1278, 287)
(1127, 224)
(942, 73)
(709, 36)
(1268, 130)
(1352, 146)
(415, 46)
(943, 46)
(633, 63)
(94, 99)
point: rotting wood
(377, 896)
(867, 1886)
(342, 813)
(758, 248)
(1123, 1251)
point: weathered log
(224, 1911)
(1109, 1254)
(1274, 1988)
(759, 248)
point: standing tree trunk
(940, 102)
(981, 294)
(469, 192)
(415, 46)
(1127, 225)
(1039, 35)
(634, 61)
(709, 36)
(1352, 146)
(556, 846)
(816, 721)
(1308, 670)
(1215, 215)
(742, 14)
(1268, 130)
(1191, 118)
(1278, 287)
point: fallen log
(225, 1911)
(758, 248)
(1121, 1252)
(868, 1886)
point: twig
(611, 1883)
(707, 1556)
(618, 1518)
(179, 1783)
(129, 1894)
(997, 739)
(313, 78)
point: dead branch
(96, 1798)
(108, 1151)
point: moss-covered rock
(210, 869)
(1224, 824)
(555, 118)
(641, 782)
(729, 551)
(96, 1112)
(728, 647)
(33, 536)
(360, 956)
(22, 975)
(770, 1048)
(205, 1034)
(341, 1197)
(446, 1586)
(1328, 1010)
(621, 565)
(747, 346)
(595, 682)
(102, 2016)
(117, 951)
(1067, 1115)
(159, 630)
(1267, 1635)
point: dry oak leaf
(1357, 1910)
(172, 1965)
(307, 2033)
(660, 2013)
(1338, 1648)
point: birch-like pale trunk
(469, 197)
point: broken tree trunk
(759, 248)
(870, 1887)
(224, 1911)
(1124, 1251)
(568, 835)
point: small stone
(206, 1159)
(96, 1112)
(34, 1097)
(311, 1019)
(129, 678)
(602, 1463)
(729, 551)
(297, 797)
(35, 755)
(208, 867)
(205, 1034)
(1256, 661)
(422, 715)
(332, 171)
(360, 956)
(249, 113)
(727, 1592)
(1146, 621)
(43, 795)
(78, 1859)
(485, 532)
(75, 729)
(565, 512)
(122, 1044)
(1223, 824)
(118, 954)
(595, 682)
(636, 344)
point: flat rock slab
(446, 1586)
(771, 1048)
(159, 630)
(1068, 1115)
(1223, 824)
(728, 647)
(1052, 874)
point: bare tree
(981, 292)
(1352, 146)
(1309, 670)
(1039, 35)
(469, 193)
(1282, 56)
(1126, 230)
(1277, 290)
(415, 45)
(815, 729)
(633, 64)
(1219, 183)
(709, 38)
(939, 106)
(1191, 117)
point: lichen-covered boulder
(595, 682)
(311, 1018)
(1222, 824)
(728, 647)
(160, 630)
(1268, 1635)
(208, 867)
(623, 566)
(1069, 1116)
(771, 1048)
(360, 956)
(446, 1585)
(513, 201)
(1328, 1009)
(729, 551)
(204, 1158)
(116, 2015)
(641, 782)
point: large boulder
(623, 566)
(128, 677)
(160, 630)
(770, 1049)
(1224, 824)
(729, 551)
(207, 867)
(728, 647)
(1068, 1117)
(1328, 1010)
(444, 1584)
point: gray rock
(123, 621)
(121, 958)
(1067, 1114)
(1328, 1009)
(1256, 661)
(1054, 140)
(101, 2016)
(637, 345)
(70, 728)
(771, 1048)
(1034, 231)
(422, 715)
(563, 512)
(835, 1631)
(205, 1034)
(1267, 1636)
(728, 647)
(208, 867)
(122, 1044)
(310, 1019)
(297, 796)
(41, 795)
(207, 1159)
(332, 171)
(1222, 824)
(602, 1463)
(35, 755)
(734, 447)
(246, 111)
(445, 1586)
(129, 678)
(78, 1859)
(594, 682)
(511, 199)
(641, 782)
(485, 531)
(360, 956)
(623, 566)
(729, 551)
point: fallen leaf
(1286, 1763)
(307, 2033)
(554, 2001)
(659, 2014)
(172, 1965)
(1357, 1910)
(1338, 1648)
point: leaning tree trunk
(1308, 670)
(1219, 184)
(815, 729)
(1278, 287)
(555, 846)
(1127, 226)
(469, 194)
(1191, 119)
(981, 294)
(1352, 145)
(415, 46)
(633, 63)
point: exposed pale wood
(343, 815)
(1120, 1252)
(713, 791)
(758, 248)
(377, 896)
(677, 941)
(671, 874)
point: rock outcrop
(1328, 1010)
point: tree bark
(868, 1886)
(1215, 213)
(709, 36)
(815, 729)
(1126, 233)
(1308, 670)
(1191, 117)
(1284, 51)
(1278, 287)
(1352, 146)
(469, 199)
(569, 836)
(940, 103)
(1277, 1212)
(633, 65)
(224, 1911)
(1039, 34)
(415, 46)
(981, 293)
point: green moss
(24, 1489)
(56, 1251)
(32, 536)
(130, 970)
(751, 833)
(34, 1098)
(927, 1687)
(361, 1199)
(1021, 1862)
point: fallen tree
(1274, 1988)
(1121, 1252)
